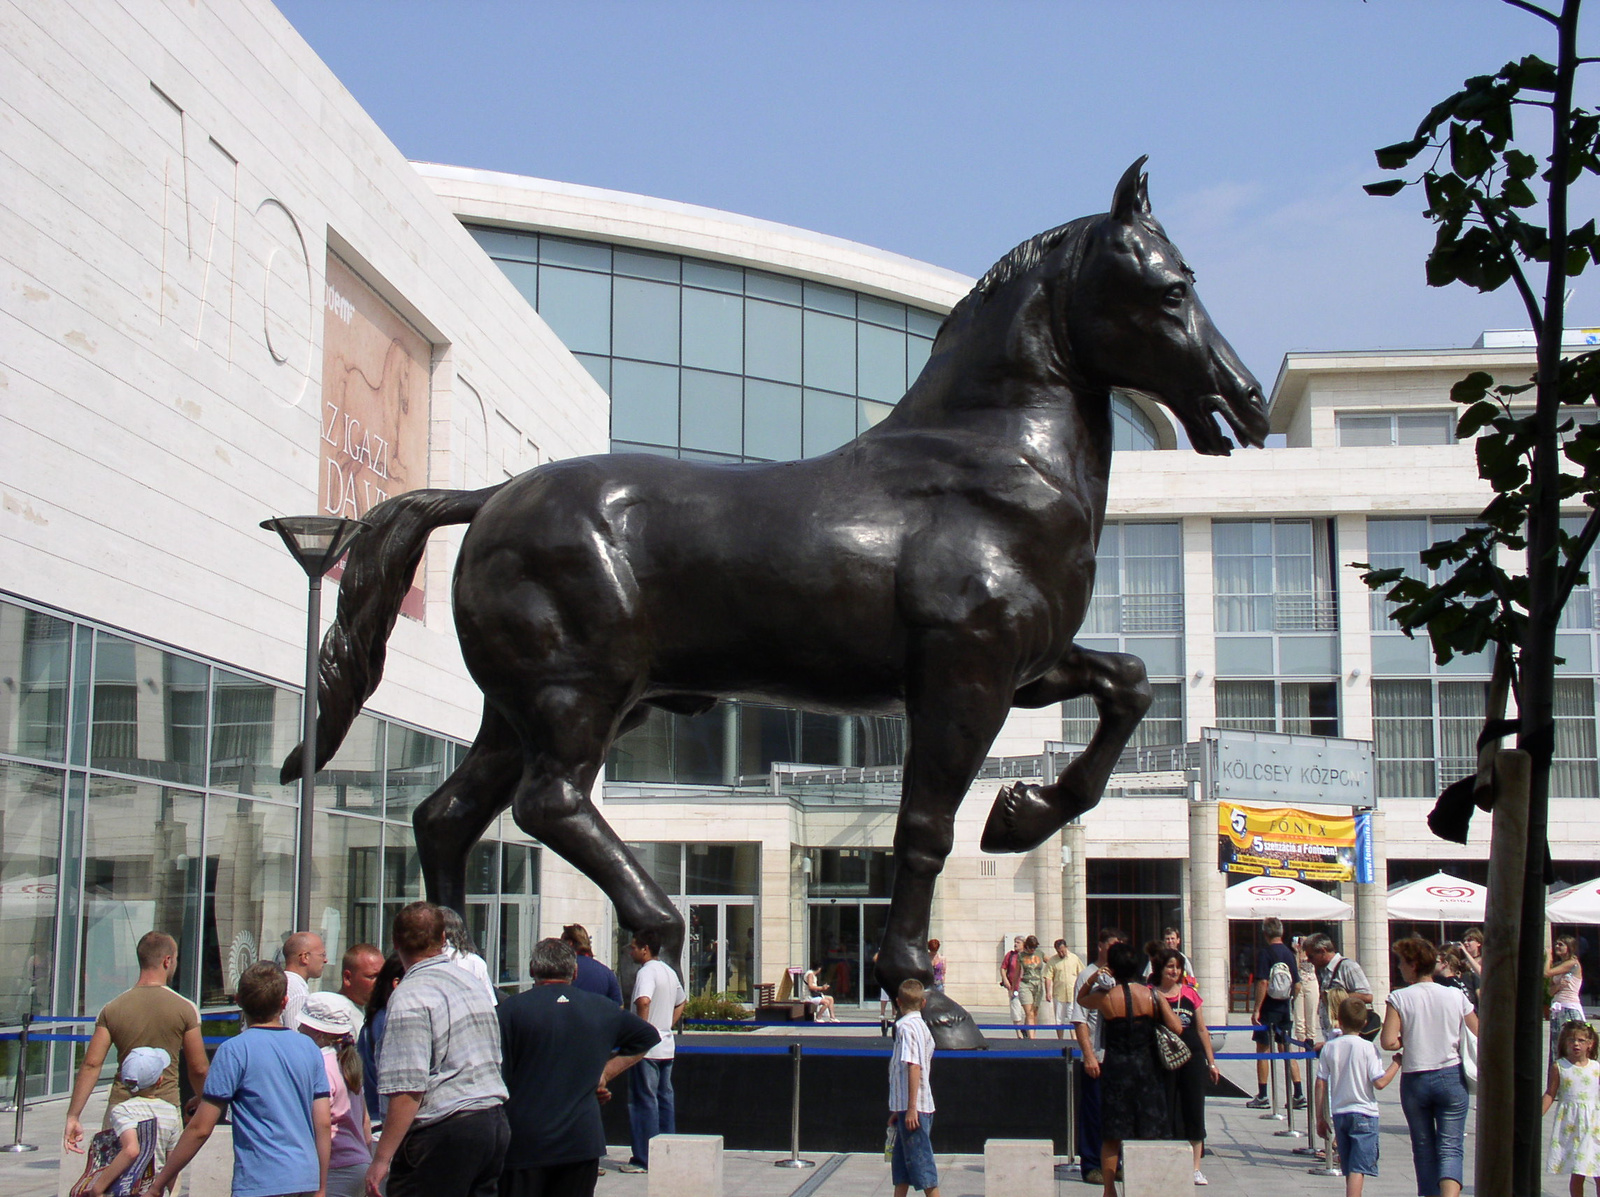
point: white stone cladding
(172, 175)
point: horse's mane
(1018, 262)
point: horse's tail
(377, 575)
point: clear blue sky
(950, 131)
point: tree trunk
(1536, 662)
(1498, 992)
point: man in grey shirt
(1335, 972)
(439, 1066)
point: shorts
(1067, 1013)
(1356, 1136)
(1015, 1003)
(1032, 993)
(912, 1163)
(1279, 1024)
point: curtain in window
(1572, 774)
(1105, 608)
(1402, 732)
(1462, 707)
(1242, 565)
(1152, 578)
(1246, 706)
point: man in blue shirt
(557, 1044)
(273, 1080)
(593, 977)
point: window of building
(1140, 897)
(1162, 723)
(737, 740)
(1399, 543)
(1396, 428)
(1276, 612)
(1425, 734)
(1131, 429)
(1298, 708)
(801, 367)
(1273, 575)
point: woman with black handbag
(1196, 1075)
(1135, 1089)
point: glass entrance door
(722, 948)
(844, 938)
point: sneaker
(1299, 1101)
(630, 1166)
(1200, 1177)
(1258, 1102)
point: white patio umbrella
(1439, 899)
(1575, 904)
(1281, 897)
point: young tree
(1484, 194)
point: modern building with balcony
(228, 296)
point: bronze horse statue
(938, 565)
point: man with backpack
(1277, 983)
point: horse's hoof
(1023, 816)
(953, 1028)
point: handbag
(1171, 1051)
(1469, 1058)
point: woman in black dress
(1195, 1077)
(1135, 1091)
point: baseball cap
(328, 1013)
(142, 1067)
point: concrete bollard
(1156, 1168)
(686, 1166)
(1019, 1168)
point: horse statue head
(1107, 303)
(1134, 322)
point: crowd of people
(414, 1079)
(1304, 997)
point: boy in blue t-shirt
(275, 1082)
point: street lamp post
(316, 542)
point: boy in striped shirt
(910, 1097)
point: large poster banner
(1286, 842)
(375, 395)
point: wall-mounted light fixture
(1199, 675)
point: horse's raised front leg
(450, 820)
(955, 703)
(1024, 815)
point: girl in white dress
(1574, 1090)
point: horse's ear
(1132, 197)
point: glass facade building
(139, 790)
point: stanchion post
(20, 1094)
(1276, 1113)
(1072, 1105)
(1288, 1132)
(794, 1160)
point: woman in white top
(1424, 1021)
(1566, 978)
(817, 995)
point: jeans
(1435, 1104)
(459, 1155)
(911, 1162)
(1088, 1122)
(651, 1110)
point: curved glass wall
(716, 362)
(139, 790)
